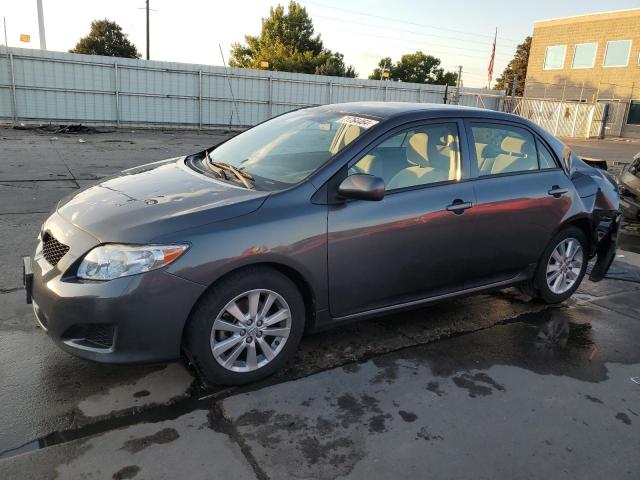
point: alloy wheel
(251, 330)
(564, 265)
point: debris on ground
(56, 129)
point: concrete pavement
(547, 394)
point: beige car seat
(370, 164)
(434, 157)
(345, 135)
(519, 155)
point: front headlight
(110, 261)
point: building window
(584, 55)
(554, 57)
(617, 53)
(634, 112)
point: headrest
(350, 134)
(512, 144)
(442, 145)
(417, 149)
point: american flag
(493, 56)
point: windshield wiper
(219, 171)
(240, 175)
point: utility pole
(6, 43)
(147, 28)
(43, 41)
(514, 84)
(455, 97)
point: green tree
(517, 66)
(385, 64)
(334, 66)
(106, 38)
(415, 68)
(289, 43)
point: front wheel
(562, 266)
(246, 327)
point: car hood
(144, 202)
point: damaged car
(317, 217)
(629, 182)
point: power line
(415, 43)
(406, 31)
(404, 22)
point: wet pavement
(490, 386)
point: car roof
(388, 110)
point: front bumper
(137, 319)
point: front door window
(420, 156)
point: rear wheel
(561, 267)
(246, 327)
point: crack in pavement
(219, 422)
(24, 213)
(10, 290)
(59, 179)
(61, 157)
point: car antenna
(230, 88)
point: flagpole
(492, 60)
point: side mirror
(361, 186)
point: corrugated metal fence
(59, 87)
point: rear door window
(503, 149)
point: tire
(546, 279)
(243, 332)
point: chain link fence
(570, 118)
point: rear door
(522, 196)
(413, 243)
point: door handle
(458, 206)
(557, 191)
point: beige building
(593, 57)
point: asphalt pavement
(615, 150)
(490, 386)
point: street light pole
(147, 28)
(43, 41)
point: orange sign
(25, 38)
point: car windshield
(287, 149)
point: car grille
(101, 334)
(95, 335)
(52, 249)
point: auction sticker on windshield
(358, 121)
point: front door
(413, 243)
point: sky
(190, 31)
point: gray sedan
(314, 218)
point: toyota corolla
(314, 218)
